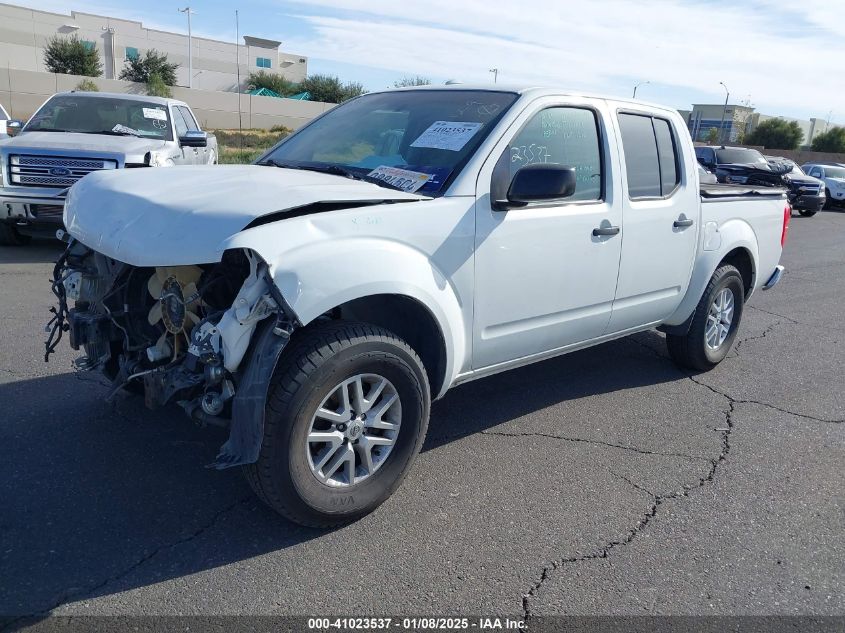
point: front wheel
(714, 325)
(807, 214)
(346, 415)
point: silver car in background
(75, 133)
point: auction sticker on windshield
(155, 113)
(450, 135)
(403, 179)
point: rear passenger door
(661, 216)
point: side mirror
(13, 126)
(536, 183)
(194, 138)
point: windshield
(411, 140)
(740, 155)
(834, 172)
(102, 115)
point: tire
(692, 350)
(10, 236)
(828, 201)
(807, 214)
(312, 374)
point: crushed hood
(74, 144)
(171, 216)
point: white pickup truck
(77, 133)
(401, 244)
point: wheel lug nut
(363, 416)
(341, 427)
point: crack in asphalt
(657, 500)
(623, 447)
(758, 337)
(68, 596)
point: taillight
(787, 216)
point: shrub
(87, 85)
(71, 56)
(142, 69)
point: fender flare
(729, 237)
(317, 278)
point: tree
(329, 89)
(833, 140)
(407, 82)
(713, 135)
(71, 56)
(271, 81)
(776, 134)
(86, 85)
(141, 69)
(156, 87)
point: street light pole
(495, 72)
(642, 83)
(724, 111)
(190, 48)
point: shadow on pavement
(94, 493)
(39, 251)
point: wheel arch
(737, 245)
(410, 320)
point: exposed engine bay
(177, 334)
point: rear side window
(651, 156)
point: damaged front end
(207, 337)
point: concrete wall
(22, 92)
(24, 33)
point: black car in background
(741, 165)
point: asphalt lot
(603, 482)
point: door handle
(604, 231)
(682, 222)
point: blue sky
(784, 58)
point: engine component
(177, 299)
(252, 304)
(88, 328)
(160, 351)
(81, 287)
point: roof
(535, 92)
(263, 92)
(120, 95)
(260, 42)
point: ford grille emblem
(60, 171)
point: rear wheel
(346, 415)
(807, 214)
(714, 325)
(10, 236)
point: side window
(564, 136)
(188, 116)
(668, 154)
(816, 173)
(651, 158)
(179, 122)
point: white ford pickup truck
(401, 244)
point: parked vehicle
(741, 165)
(833, 176)
(77, 133)
(705, 177)
(805, 193)
(4, 120)
(731, 164)
(402, 243)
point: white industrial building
(24, 33)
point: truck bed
(719, 191)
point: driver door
(544, 280)
(188, 155)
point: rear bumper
(774, 279)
